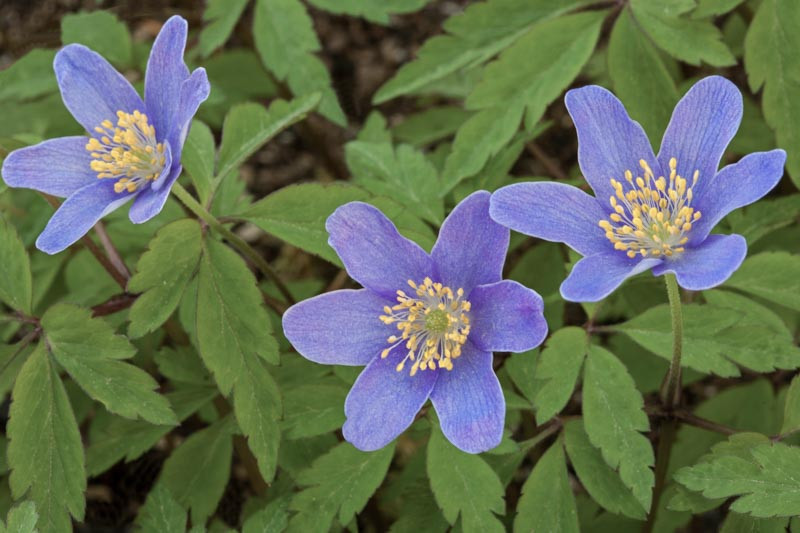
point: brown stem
(702, 423)
(111, 250)
(115, 304)
(665, 441)
(548, 162)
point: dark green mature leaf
(15, 283)
(765, 216)
(21, 519)
(464, 485)
(45, 451)
(90, 352)
(768, 481)
(601, 481)
(404, 174)
(741, 523)
(220, 17)
(231, 320)
(774, 276)
(641, 80)
(101, 31)
(314, 409)
(430, 125)
(372, 10)
(558, 367)
(248, 126)
(274, 518)
(162, 275)
(198, 157)
(285, 39)
(338, 485)
(791, 409)
(770, 60)
(689, 40)
(613, 415)
(29, 77)
(198, 470)
(161, 513)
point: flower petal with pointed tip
(165, 74)
(596, 276)
(59, 166)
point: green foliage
(21, 519)
(558, 367)
(15, 283)
(102, 32)
(773, 276)
(373, 10)
(161, 513)
(220, 16)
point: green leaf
(161, 513)
(430, 125)
(547, 503)
(90, 352)
(404, 174)
(249, 126)
(765, 216)
(791, 409)
(773, 276)
(768, 482)
(338, 485)
(708, 8)
(101, 31)
(641, 80)
(162, 275)
(558, 368)
(464, 485)
(601, 481)
(285, 39)
(372, 10)
(198, 470)
(29, 77)
(274, 518)
(770, 61)
(220, 17)
(689, 40)
(313, 409)
(231, 320)
(614, 418)
(45, 452)
(15, 283)
(22, 518)
(198, 157)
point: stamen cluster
(653, 216)
(434, 325)
(129, 152)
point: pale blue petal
(596, 276)
(554, 212)
(91, 88)
(707, 265)
(150, 202)
(165, 74)
(58, 166)
(506, 317)
(338, 328)
(194, 91)
(471, 247)
(469, 402)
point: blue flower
(649, 212)
(424, 325)
(134, 148)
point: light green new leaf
(641, 80)
(285, 40)
(90, 352)
(249, 126)
(21, 518)
(29, 77)
(372, 10)
(101, 31)
(464, 485)
(614, 417)
(161, 513)
(198, 470)
(198, 157)
(162, 274)
(45, 452)
(558, 368)
(771, 61)
(220, 17)
(767, 482)
(601, 481)
(231, 320)
(338, 484)
(774, 276)
(689, 40)
(547, 503)
(791, 409)
(15, 282)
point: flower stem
(671, 388)
(194, 206)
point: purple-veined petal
(91, 88)
(735, 186)
(194, 91)
(383, 402)
(609, 142)
(707, 265)
(373, 251)
(596, 276)
(58, 166)
(506, 317)
(554, 212)
(469, 402)
(471, 247)
(702, 124)
(165, 74)
(338, 328)
(79, 213)
(150, 201)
